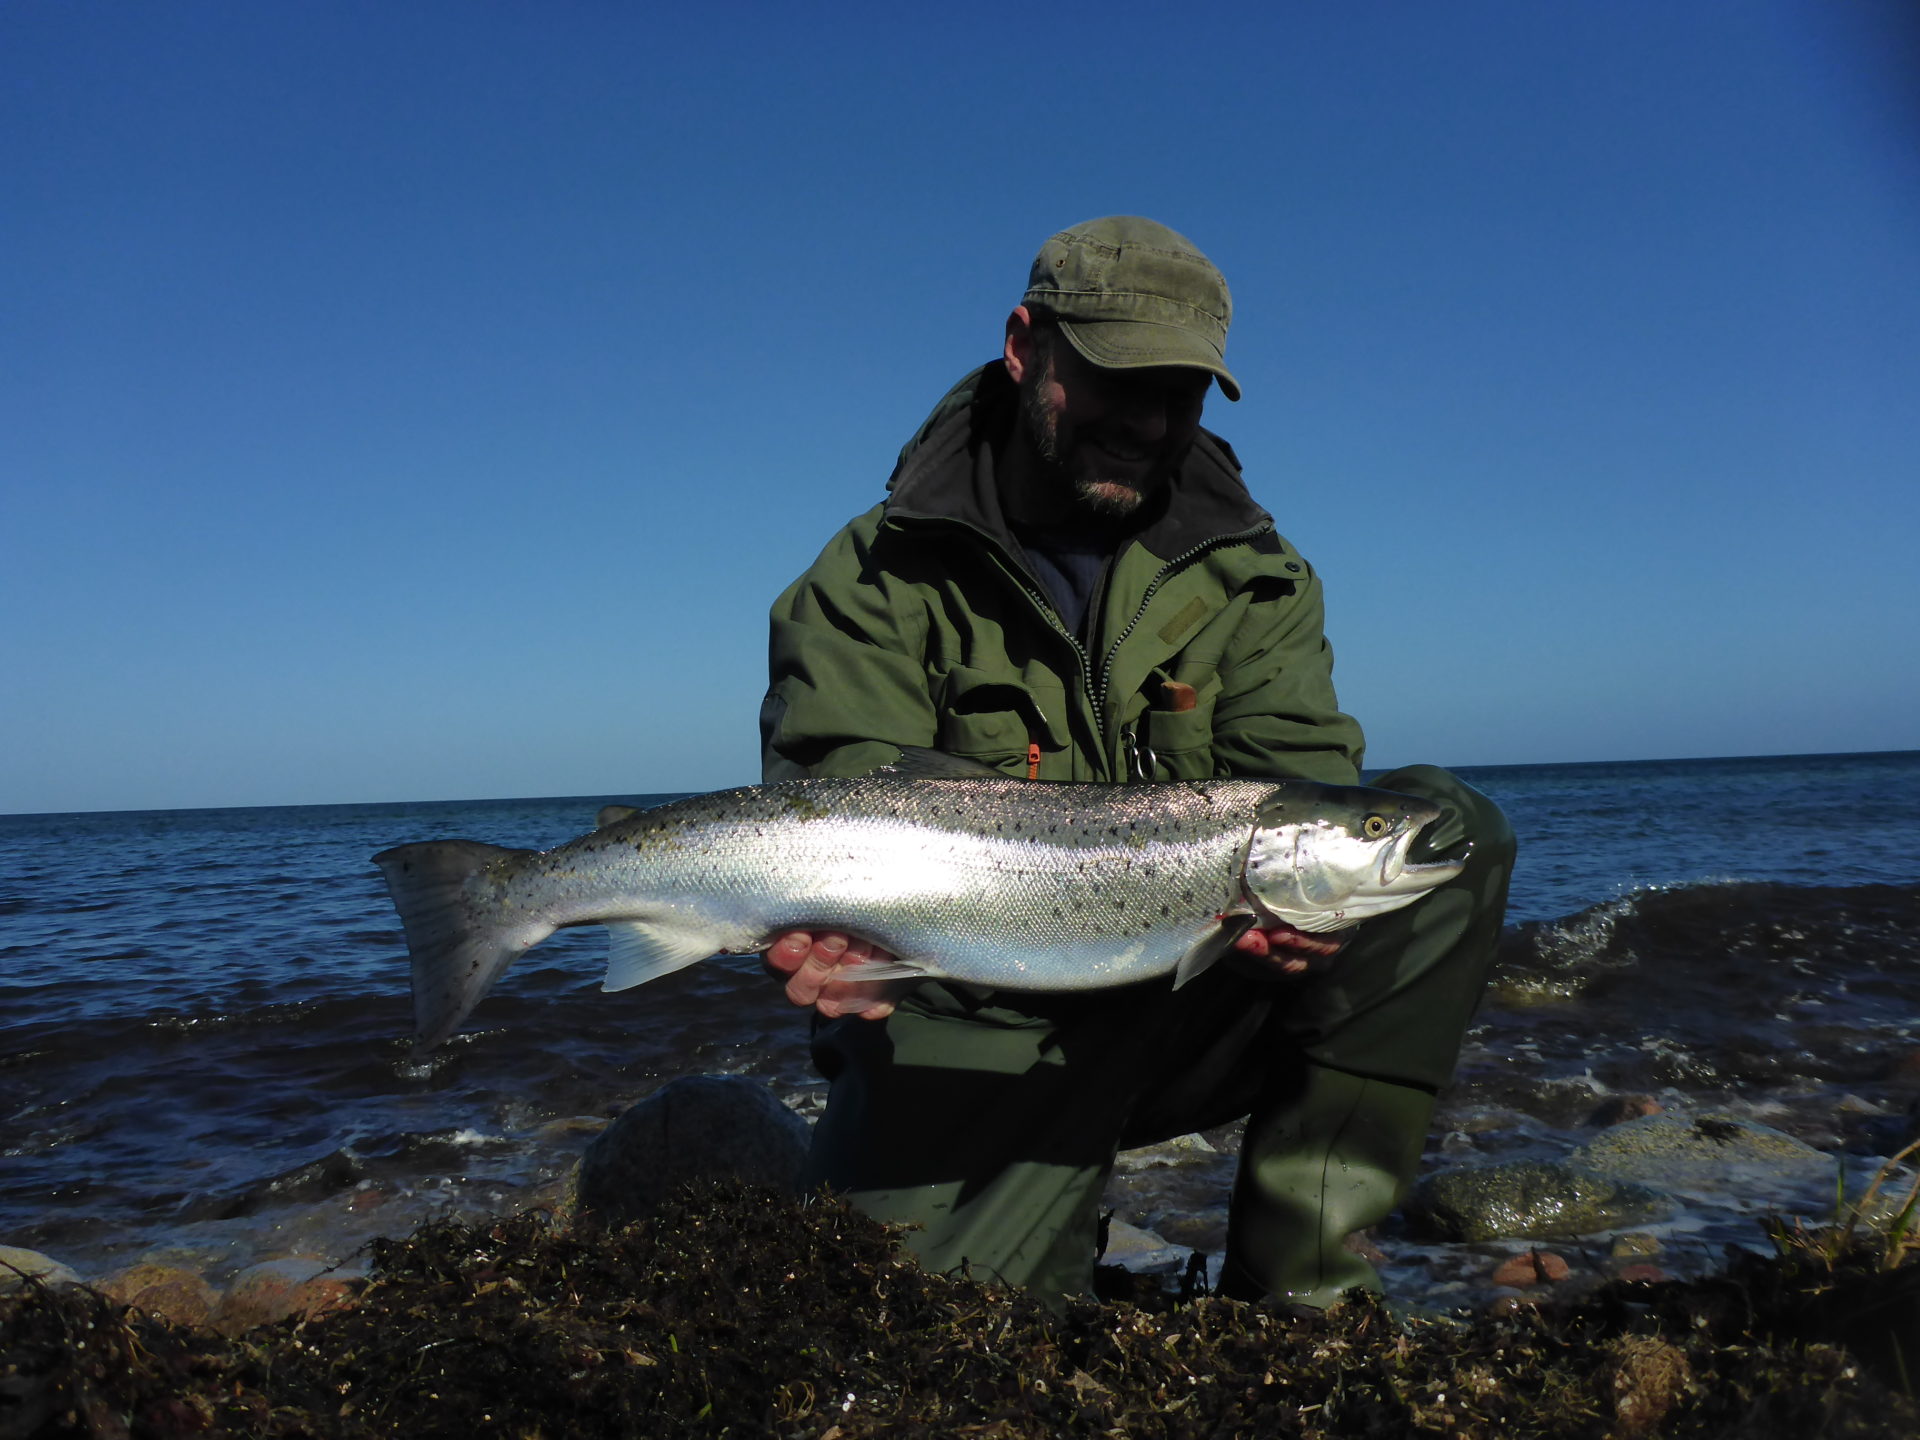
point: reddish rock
(181, 1296)
(1536, 1267)
(276, 1289)
(1618, 1109)
(1648, 1274)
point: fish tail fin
(459, 948)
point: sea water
(204, 1014)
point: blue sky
(425, 400)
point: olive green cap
(1130, 293)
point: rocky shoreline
(1550, 1301)
(739, 1310)
(1648, 1195)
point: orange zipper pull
(1033, 760)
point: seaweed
(736, 1311)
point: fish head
(1325, 857)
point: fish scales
(961, 875)
(1000, 882)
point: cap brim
(1142, 345)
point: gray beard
(1089, 496)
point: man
(1068, 580)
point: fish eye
(1374, 826)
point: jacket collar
(946, 472)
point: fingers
(1289, 950)
(820, 970)
(787, 951)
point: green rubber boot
(1333, 1157)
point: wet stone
(1674, 1150)
(701, 1127)
(20, 1267)
(1527, 1199)
(1536, 1267)
(1636, 1243)
(180, 1295)
(278, 1289)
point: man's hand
(1290, 951)
(822, 970)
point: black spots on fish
(1186, 897)
(1166, 911)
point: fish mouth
(1398, 874)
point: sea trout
(1011, 884)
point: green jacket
(920, 624)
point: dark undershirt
(1070, 562)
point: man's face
(1111, 437)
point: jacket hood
(946, 472)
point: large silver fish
(1012, 884)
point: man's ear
(1018, 351)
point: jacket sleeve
(1277, 713)
(847, 683)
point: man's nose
(1145, 416)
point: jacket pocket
(1180, 741)
(987, 717)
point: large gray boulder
(701, 1127)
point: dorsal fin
(916, 763)
(613, 815)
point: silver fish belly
(995, 881)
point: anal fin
(643, 950)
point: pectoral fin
(884, 970)
(1215, 943)
(643, 950)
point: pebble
(1513, 1304)
(1643, 1272)
(1533, 1268)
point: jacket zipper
(1096, 693)
(1099, 691)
